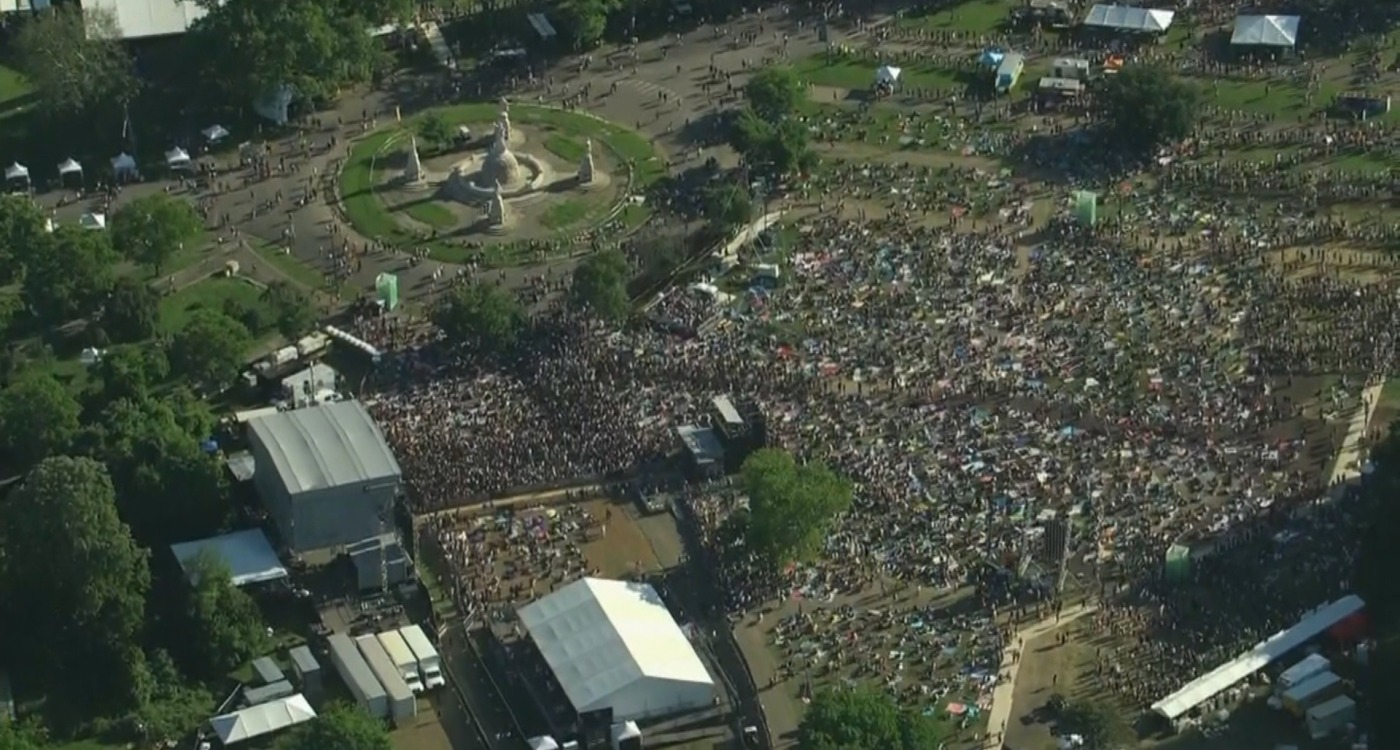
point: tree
(172, 709)
(1146, 106)
(773, 151)
(129, 372)
(251, 50)
(341, 727)
(21, 736)
(75, 59)
(22, 235)
(224, 626)
(210, 348)
(1101, 727)
(482, 316)
(71, 278)
(38, 418)
(791, 505)
(131, 312)
(292, 311)
(433, 129)
(151, 230)
(864, 718)
(1376, 564)
(728, 205)
(600, 285)
(775, 94)
(75, 583)
(584, 21)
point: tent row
(122, 164)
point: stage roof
(1266, 31)
(1124, 18)
(331, 445)
(139, 19)
(262, 719)
(247, 554)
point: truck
(429, 663)
(1326, 718)
(1312, 692)
(402, 657)
(1300, 672)
(358, 677)
(402, 703)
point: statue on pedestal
(496, 209)
(585, 166)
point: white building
(613, 644)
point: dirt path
(1002, 695)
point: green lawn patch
(432, 213)
(292, 267)
(565, 130)
(212, 293)
(859, 74)
(978, 17)
(12, 86)
(565, 213)
(1277, 98)
(565, 148)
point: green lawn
(12, 85)
(565, 148)
(978, 17)
(432, 213)
(849, 73)
(293, 267)
(1263, 97)
(565, 130)
(565, 213)
(175, 309)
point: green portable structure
(1086, 207)
(386, 285)
(1178, 565)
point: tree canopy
(864, 718)
(728, 205)
(75, 60)
(210, 348)
(22, 235)
(131, 311)
(600, 285)
(1146, 106)
(224, 625)
(1376, 564)
(482, 316)
(775, 93)
(791, 505)
(584, 21)
(293, 312)
(38, 418)
(68, 275)
(152, 229)
(342, 727)
(773, 150)
(1098, 723)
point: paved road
(1002, 695)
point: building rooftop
(139, 19)
(318, 447)
(247, 554)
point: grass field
(978, 17)
(294, 268)
(12, 86)
(565, 148)
(565, 213)
(845, 73)
(175, 310)
(431, 213)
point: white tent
(1124, 18)
(273, 104)
(543, 742)
(263, 719)
(613, 644)
(123, 164)
(17, 171)
(246, 554)
(93, 221)
(215, 133)
(177, 158)
(69, 167)
(1266, 31)
(887, 74)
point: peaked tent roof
(325, 446)
(123, 163)
(69, 166)
(599, 636)
(93, 221)
(247, 554)
(887, 74)
(1267, 31)
(262, 719)
(177, 155)
(1124, 18)
(16, 171)
(215, 132)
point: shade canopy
(1266, 31)
(17, 171)
(260, 720)
(93, 221)
(69, 166)
(215, 133)
(1124, 18)
(177, 157)
(247, 555)
(887, 74)
(123, 163)
(992, 57)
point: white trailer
(402, 657)
(429, 663)
(1328, 717)
(402, 703)
(358, 677)
(1312, 692)
(1300, 672)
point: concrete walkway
(999, 714)
(1352, 453)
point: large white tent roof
(247, 554)
(600, 637)
(139, 19)
(16, 171)
(177, 156)
(329, 446)
(69, 166)
(262, 719)
(1124, 18)
(1267, 31)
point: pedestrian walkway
(438, 44)
(1004, 692)
(1352, 453)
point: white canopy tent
(16, 172)
(613, 644)
(263, 719)
(93, 221)
(215, 133)
(68, 167)
(1266, 31)
(123, 164)
(1124, 18)
(177, 158)
(887, 75)
(246, 554)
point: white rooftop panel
(247, 554)
(331, 445)
(139, 19)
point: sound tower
(596, 727)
